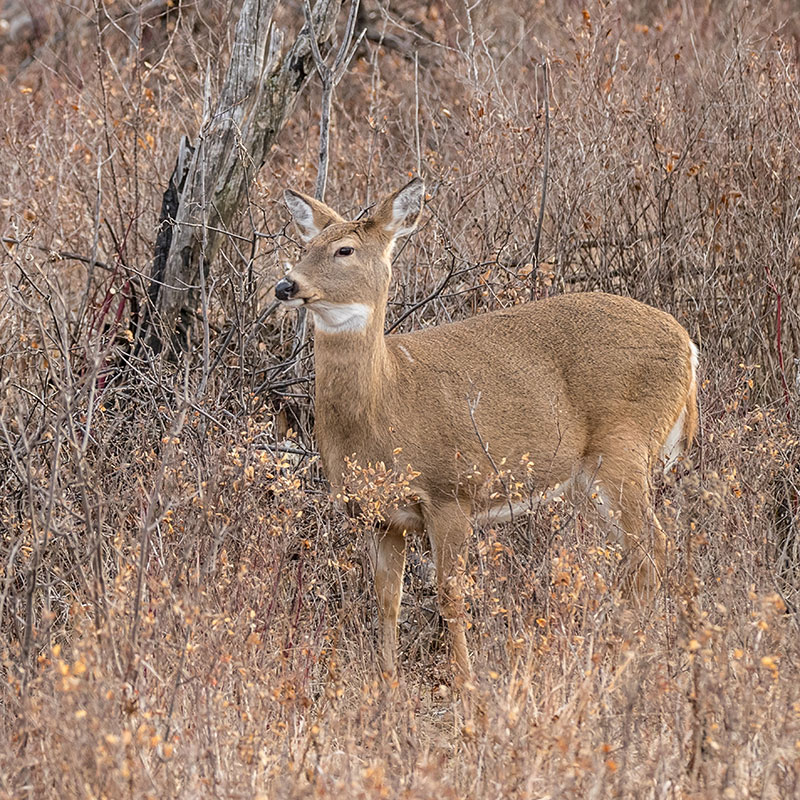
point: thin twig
(416, 113)
(270, 309)
(472, 405)
(545, 171)
(432, 296)
(330, 77)
(62, 255)
(204, 292)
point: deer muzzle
(285, 289)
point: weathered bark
(170, 203)
(260, 88)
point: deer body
(592, 388)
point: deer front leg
(389, 561)
(448, 530)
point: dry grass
(186, 612)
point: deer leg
(389, 562)
(621, 494)
(448, 531)
(645, 546)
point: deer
(592, 389)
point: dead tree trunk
(260, 87)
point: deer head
(343, 277)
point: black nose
(285, 289)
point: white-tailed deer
(593, 388)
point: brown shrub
(184, 609)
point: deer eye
(344, 251)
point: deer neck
(353, 377)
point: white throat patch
(340, 317)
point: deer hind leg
(389, 559)
(449, 530)
(621, 493)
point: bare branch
(545, 169)
(62, 255)
(330, 77)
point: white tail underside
(672, 448)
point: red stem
(779, 342)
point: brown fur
(587, 384)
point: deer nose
(285, 289)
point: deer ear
(399, 213)
(309, 215)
